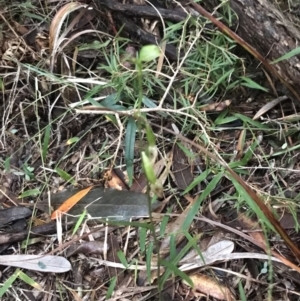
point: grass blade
(129, 148)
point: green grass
(135, 96)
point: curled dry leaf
(89, 247)
(216, 107)
(210, 287)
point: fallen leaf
(210, 287)
(181, 168)
(71, 202)
(103, 203)
(40, 263)
(216, 107)
(112, 180)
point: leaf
(288, 55)
(30, 281)
(9, 282)
(103, 203)
(40, 263)
(69, 203)
(148, 168)
(129, 147)
(46, 142)
(248, 82)
(149, 53)
(31, 192)
(181, 168)
(64, 175)
(210, 287)
(58, 21)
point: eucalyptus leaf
(41, 263)
(103, 203)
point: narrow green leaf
(79, 222)
(29, 281)
(64, 175)
(7, 164)
(150, 135)
(254, 123)
(248, 82)
(129, 147)
(122, 258)
(73, 140)
(245, 196)
(142, 240)
(287, 56)
(164, 222)
(9, 282)
(46, 142)
(149, 260)
(111, 287)
(195, 208)
(197, 181)
(28, 193)
(177, 272)
(242, 292)
(148, 102)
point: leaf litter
(111, 271)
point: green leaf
(31, 192)
(150, 135)
(149, 260)
(148, 102)
(242, 292)
(248, 82)
(79, 222)
(197, 181)
(111, 287)
(46, 142)
(148, 168)
(64, 175)
(9, 282)
(288, 55)
(129, 147)
(73, 140)
(195, 208)
(149, 53)
(30, 281)
(122, 258)
(142, 240)
(177, 272)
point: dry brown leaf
(112, 180)
(241, 144)
(268, 106)
(216, 107)
(210, 287)
(181, 168)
